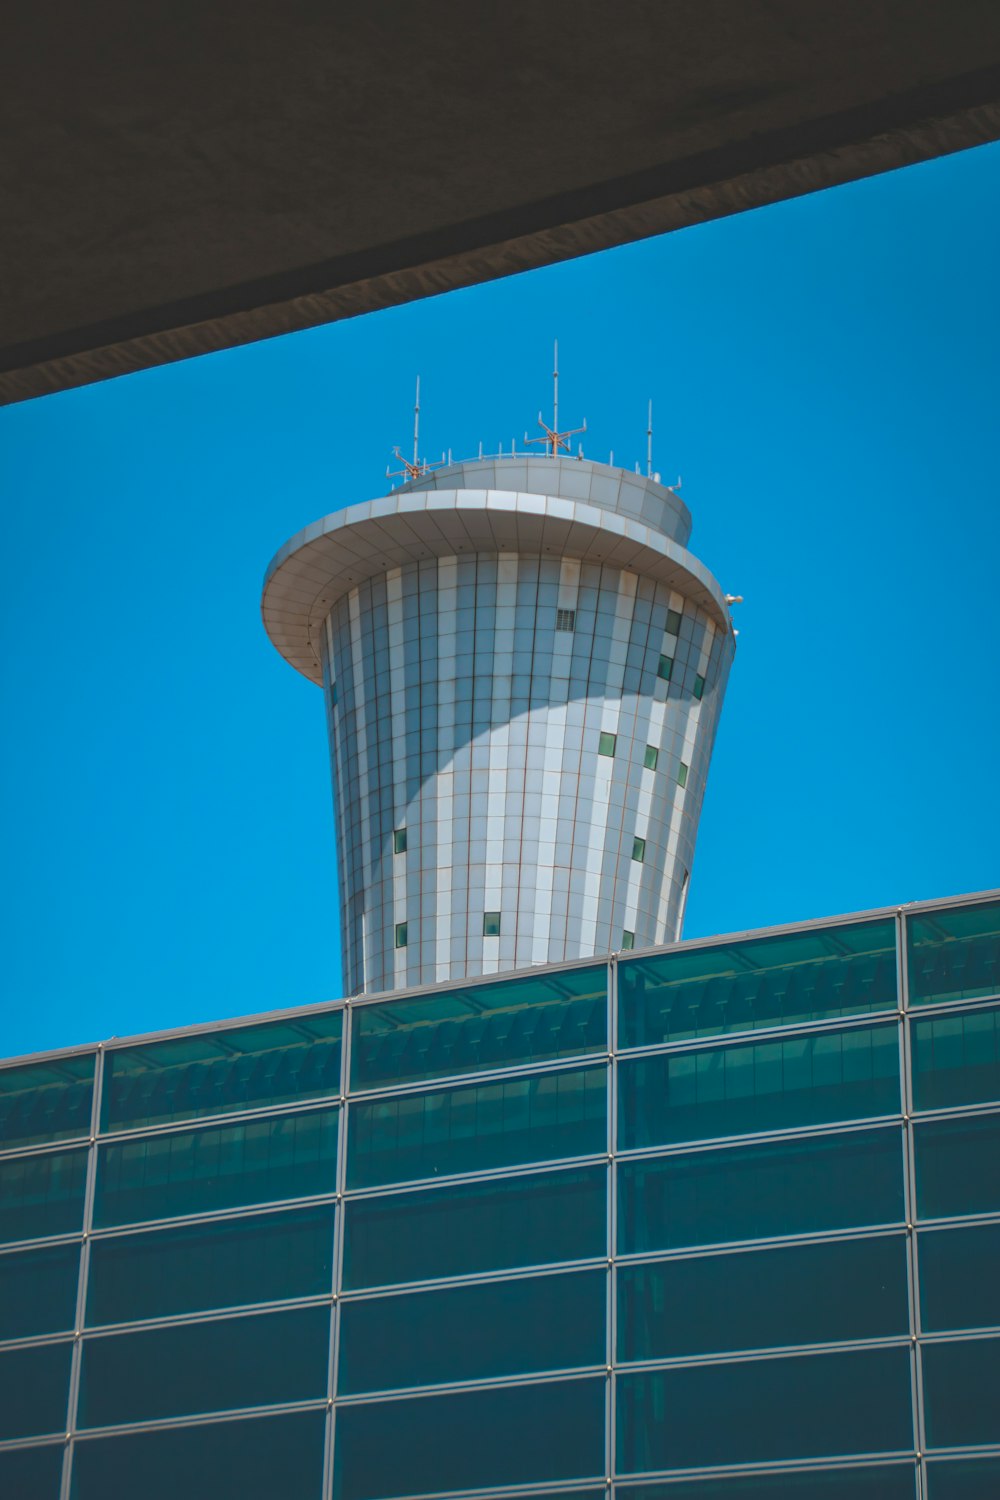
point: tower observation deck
(523, 669)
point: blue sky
(825, 378)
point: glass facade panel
(775, 981)
(212, 1366)
(954, 954)
(31, 1473)
(494, 1025)
(961, 1382)
(42, 1195)
(957, 1166)
(803, 1294)
(35, 1386)
(46, 1101)
(242, 1067)
(956, 1059)
(38, 1291)
(885, 1482)
(486, 1226)
(472, 1129)
(204, 1266)
(964, 1479)
(264, 1459)
(756, 1192)
(471, 1332)
(225, 1166)
(800, 1407)
(471, 1440)
(758, 1086)
(959, 1285)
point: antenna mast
(416, 427)
(553, 438)
(649, 444)
(555, 385)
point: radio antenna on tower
(649, 443)
(553, 438)
(412, 469)
(416, 425)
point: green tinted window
(472, 1129)
(960, 1393)
(242, 1067)
(192, 1171)
(958, 1167)
(757, 1086)
(959, 1286)
(606, 744)
(473, 1440)
(214, 1366)
(42, 1195)
(471, 1332)
(650, 757)
(38, 1291)
(956, 1059)
(485, 1226)
(665, 667)
(754, 1192)
(964, 1479)
(35, 1386)
(263, 1459)
(46, 1101)
(494, 1025)
(803, 1294)
(673, 622)
(954, 954)
(887, 1482)
(777, 981)
(802, 1407)
(34, 1473)
(227, 1264)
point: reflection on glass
(954, 954)
(758, 1086)
(38, 1291)
(42, 1195)
(35, 1386)
(956, 1059)
(756, 1192)
(774, 981)
(957, 1166)
(494, 1025)
(959, 1286)
(241, 1067)
(46, 1101)
(960, 1393)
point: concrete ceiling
(180, 177)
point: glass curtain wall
(715, 1222)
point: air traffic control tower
(523, 669)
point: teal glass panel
(884, 1482)
(802, 1294)
(269, 1458)
(31, 1473)
(957, 1167)
(483, 1125)
(959, 1285)
(964, 1479)
(954, 954)
(42, 1195)
(956, 1059)
(773, 981)
(756, 1192)
(494, 1025)
(223, 1166)
(35, 1386)
(38, 1291)
(807, 1406)
(201, 1367)
(472, 1332)
(472, 1440)
(233, 1263)
(485, 1226)
(758, 1086)
(241, 1067)
(46, 1101)
(961, 1381)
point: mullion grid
(338, 1257)
(906, 1073)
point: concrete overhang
(179, 177)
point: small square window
(400, 934)
(638, 849)
(650, 758)
(699, 686)
(491, 924)
(628, 939)
(606, 744)
(682, 774)
(673, 622)
(399, 841)
(565, 619)
(665, 668)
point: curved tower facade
(523, 669)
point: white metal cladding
(463, 709)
